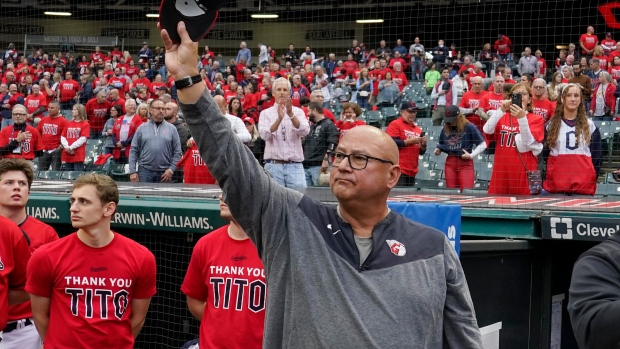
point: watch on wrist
(187, 81)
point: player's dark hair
(107, 191)
(7, 165)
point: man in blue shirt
(244, 52)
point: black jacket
(594, 296)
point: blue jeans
(362, 102)
(6, 122)
(288, 175)
(74, 166)
(95, 134)
(416, 65)
(148, 176)
(506, 58)
(312, 175)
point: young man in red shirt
(67, 90)
(20, 140)
(16, 178)
(493, 99)
(226, 289)
(74, 309)
(51, 128)
(96, 110)
(502, 47)
(409, 141)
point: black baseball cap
(451, 113)
(199, 16)
(409, 106)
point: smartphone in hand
(517, 99)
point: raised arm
(254, 204)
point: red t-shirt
(120, 102)
(589, 41)
(615, 72)
(131, 71)
(471, 100)
(72, 132)
(609, 43)
(400, 79)
(542, 65)
(469, 67)
(96, 56)
(51, 129)
(143, 83)
(344, 126)
(471, 77)
(117, 54)
(509, 175)
(68, 90)
(350, 66)
(96, 113)
(39, 234)
(408, 156)
(544, 108)
(15, 255)
(604, 61)
(195, 171)
(27, 148)
(491, 101)
(613, 54)
(118, 82)
(33, 102)
(154, 88)
(91, 290)
(229, 276)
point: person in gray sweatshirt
(356, 275)
(155, 148)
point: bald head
(221, 102)
(376, 142)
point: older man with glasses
(541, 105)
(337, 269)
(20, 140)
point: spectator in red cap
(410, 143)
(457, 139)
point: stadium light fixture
(152, 15)
(561, 47)
(264, 16)
(369, 21)
(52, 13)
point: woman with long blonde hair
(573, 146)
(73, 139)
(457, 139)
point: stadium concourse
(90, 110)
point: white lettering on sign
(587, 229)
(42, 212)
(162, 219)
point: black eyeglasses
(356, 161)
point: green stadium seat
(484, 174)
(609, 178)
(71, 175)
(50, 175)
(374, 118)
(424, 122)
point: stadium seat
(390, 114)
(424, 123)
(71, 175)
(440, 161)
(434, 130)
(374, 118)
(67, 113)
(50, 175)
(481, 185)
(609, 178)
(484, 174)
(608, 189)
(119, 172)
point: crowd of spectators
(110, 96)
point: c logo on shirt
(396, 247)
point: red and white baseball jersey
(39, 234)
(471, 100)
(229, 276)
(344, 126)
(14, 256)
(91, 290)
(491, 101)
